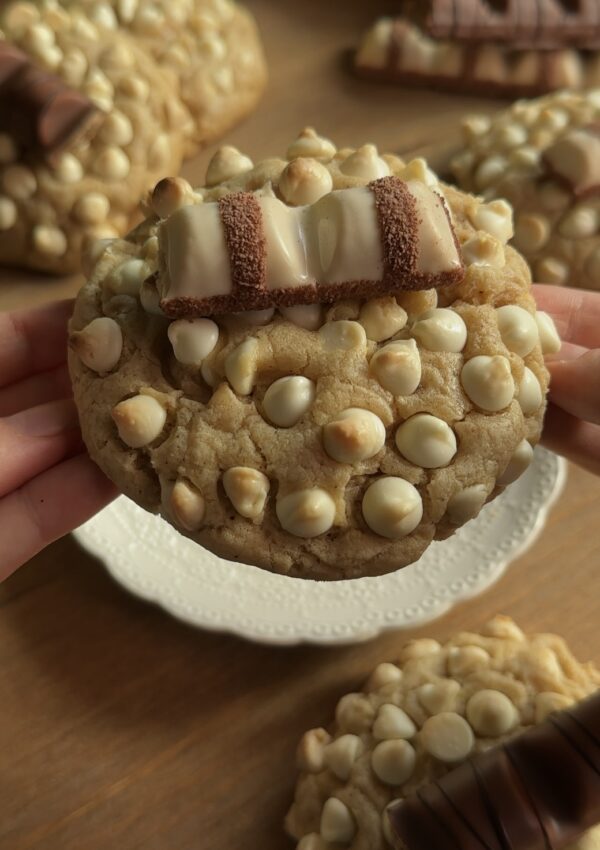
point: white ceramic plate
(152, 560)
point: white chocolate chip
(170, 194)
(343, 334)
(489, 171)
(341, 754)
(127, 278)
(8, 213)
(518, 329)
(466, 504)
(99, 344)
(496, 218)
(382, 318)
(447, 737)
(288, 399)
(193, 339)
(440, 329)
(512, 136)
(306, 513)
(139, 420)
(92, 252)
(552, 270)
(374, 49)
(532, 232)
(491, 713)
(417, 169)
(419, 648)
(240, 366)
(549, 338)
(354, 713)
(184, 503)
(580, 223)
(309, 143)
(112, 164)
(463, 660)
(436, 697)
(474, 126)
(393, 762)
(8, 149)
(312, 841)
(488, 382)
(392, 722)
(397, 367)
(310, 755)
(91, 208)
(484, 251)
(159, 153)
(426, 441)
(547, 702)
(530, 395)
(308, 316)
(227, 162)
(552, 196)
(116, 129)
(392, 508)
(247, 490)
(49, 240)
(337, 823)
(74, 66)
(68, 169)
(366, 164)
(304, 181)
(19, 182)
(150, 299)
(353, 435)
(383, 675)
(517, 465)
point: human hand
(48, 484)
(572, 425)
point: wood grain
(121, 728)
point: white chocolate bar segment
(284, 229)
(196, 253)
(437, 248)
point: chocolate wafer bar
(38, 110)
(538, 791)
(249, 253)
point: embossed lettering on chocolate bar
(248, 253)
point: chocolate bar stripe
(461, 816)
(399, 226)
(586, 729)
(573, 736)
(489, 807)
(441, 822)
(246, 243)
(528, 796)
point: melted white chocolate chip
(184, 503)
(288, 399)
(309, 143)
(488, 382)
(518, 463)
(247, 490)
(496, 218)
(491, 713)
(354, 435)
(440, 329)
(99, 344)
(447, 737)
(530, 395)
(343, 334)
(392, 508)
(366, 164)
(340, 755)
(337, 824)
(466, 504)
(392, 722)
(308, 316)
(139, 420)
(306, 513)
(193, 339)
(393, 762)
(240, 366)
(382, 318)
(518, 329)
(304, 181)
(484, 251)
(426, 441)
(397, 367)
(549, 338)
(227, 162)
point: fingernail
(47, 420)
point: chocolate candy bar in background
(248, 253)
(470, 58)
(538, 791)
(37, 109)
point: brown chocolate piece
(536, 24)
(538, 791)
(37, 110)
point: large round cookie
(211, 47)
(542, 156)
(322, 442)
(418, 718)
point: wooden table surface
(123, 729)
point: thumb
(575, 385)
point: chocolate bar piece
(535, 24)
(538, 791)
(37, 110)
(250, 253)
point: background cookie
(516, 155)
(234, 428)
(211, 47)
(49, 211)
(418, 718)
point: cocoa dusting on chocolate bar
(538, 791)
(38, 111)
(241, 216)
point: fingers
(576, 440)
(575, 312)
(33, 340)
(575, 386)
(568, 351)
(35, 390)
(36, 439)
(49, 506)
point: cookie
(322, 441)
(417, 719)
(152, 115)
(542, 156)
(210, 47)
(399, 50)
